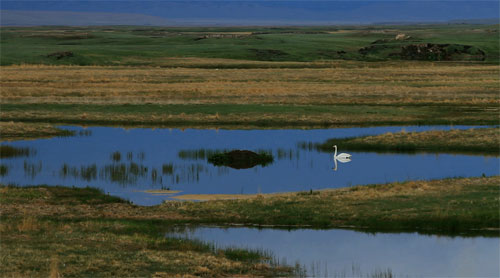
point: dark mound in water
(240, 159)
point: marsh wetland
(147, 167)
(188, 152)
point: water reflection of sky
(344, 253)
(151, 159)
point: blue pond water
(345, 253)
(125, 162)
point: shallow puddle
(131, 162)
(345, 253)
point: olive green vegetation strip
(36, 244)
(447, 206)
(477, 140)
(256, 115)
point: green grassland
(244, 116)
(147, 45)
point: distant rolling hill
(247, 12)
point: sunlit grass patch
(23, 131)
(482, 140)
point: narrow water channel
(128, 162)
(346, 253)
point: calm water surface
(125, 162)
(345, 253)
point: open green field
(148, 45)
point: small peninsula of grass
(480, 140)
(447, 205)
(10, 131)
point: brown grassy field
(191, 92)
(392, 83)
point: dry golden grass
(207, 120)
(342, 196)
(347, 83)
(113, 210)
(486, 140)
(23, 131)
(54, 268)
(161, 191)
(28, 224)
(207, 197)
(467, 138)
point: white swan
(342, 157)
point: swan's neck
(335, 155)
